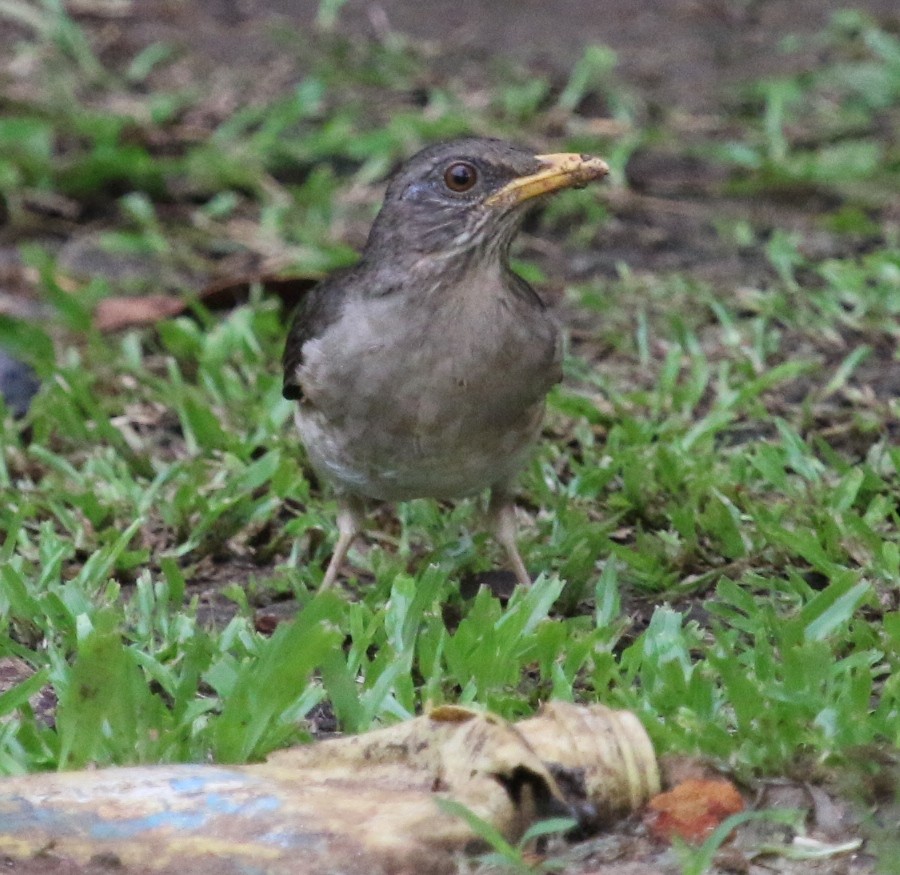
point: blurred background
(215, 138)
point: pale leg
(349, 523)
(502, 519)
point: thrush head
(467, 197)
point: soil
(679, 53)
(684, 60)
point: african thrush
(422, 371)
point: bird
(422, 371)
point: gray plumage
(422, 371)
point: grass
(714, 509)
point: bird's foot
(502, 516)
(349, 523)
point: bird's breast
(406, 401)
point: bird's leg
(502, 520)
(349, 523)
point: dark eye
(460, 176)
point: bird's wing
(317, 311)
(524, 290)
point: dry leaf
(693, 809)
(362, 804)
(116, 313)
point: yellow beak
(561, 170)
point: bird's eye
(460, 176)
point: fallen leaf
(693, 809)
(379, 803)
(114, 314)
